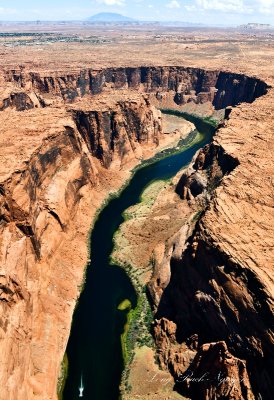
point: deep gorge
(89, 340)
(86, 147)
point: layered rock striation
(169, 85)
(119, 132)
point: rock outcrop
(117, 133)
(210, 165)
(215, 373)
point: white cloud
(266, 6)
(233, 6)
(111, 2)
(173, 4)
(9, 11)
(221, 5)
(266, 3)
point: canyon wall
(177, 85)
(214, 311)
(114, 135)
(63, 155)
(53, 180)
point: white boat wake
(81, 387)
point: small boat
(81, 388)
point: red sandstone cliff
(52, 182)
(220, 288)
(177, 84)
(57, 168)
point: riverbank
(110, 187)
(140, 243)
(99, 309)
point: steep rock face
(218, 374)
(118, 133)
(202, 372)
(51, 186)
(221, 285)
(38, 205)
(178, 84)
(20, 101)
(202, 176)
(213, 299)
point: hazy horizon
(208, 12)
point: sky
(217, 12)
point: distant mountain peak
(110, 17)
